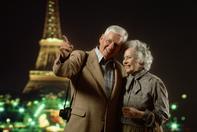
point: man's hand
(66, 47)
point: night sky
(170, 29)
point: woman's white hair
(119, 30)
(143, 53)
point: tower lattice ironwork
(42, 78)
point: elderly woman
(145, 103)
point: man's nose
(112, 45)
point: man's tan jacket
(92, 110)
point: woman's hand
(131, 112)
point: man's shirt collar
(99, 55)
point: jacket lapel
(94, 68)
(117, 82)
(137, 86)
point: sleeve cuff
(148, 118)
(63, 59)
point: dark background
(168, 27)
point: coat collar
(134, 80)
(137, 75)
(94, 68)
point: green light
(29, 119)
(21, 110)
(29, 103)
(36, 102)
(2, 103)
(184, 96)
(40, 108)
(2, 109)
(67, 103)
(183, 118)
(11, 126)
(60, 105)
(8, 120)
(15, 102)
(174, 126)
(32, 123)
(43, 99)
(173, 107)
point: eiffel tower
(43, 78)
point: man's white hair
(119, 30)
(143, 53)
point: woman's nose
(124, 61)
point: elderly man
(96, 80)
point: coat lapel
(117, 82)
(94, 68)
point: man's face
(110, 44)
(130, 62)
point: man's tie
(109, 77)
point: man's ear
(101, 38)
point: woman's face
(130, 61)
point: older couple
(102, 87)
